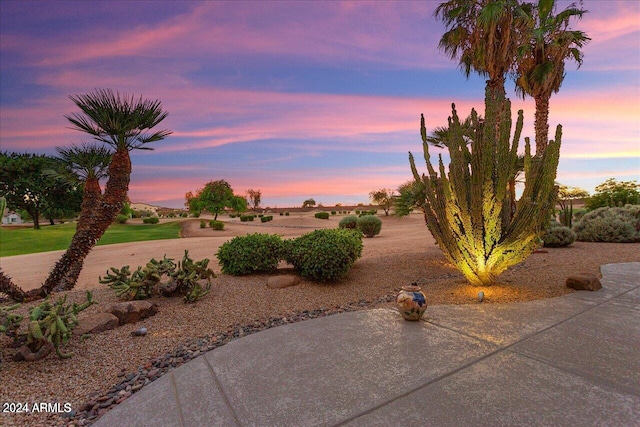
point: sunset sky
(298, 99)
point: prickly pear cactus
(183, 278)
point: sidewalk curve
(567, 361)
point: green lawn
(20, 241)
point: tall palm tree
(86, 165)
(547, 43)
(482, 36)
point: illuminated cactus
(468, 209)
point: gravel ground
(109, 367)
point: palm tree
(547, 43)
(123, 123)
(87, 165)
(481, 36)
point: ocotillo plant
(468, 209)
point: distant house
(12, 218)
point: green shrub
(558, 237)
(370, 225)
(245, 218)
(184, 215)
(619, 225)
(325, 255)
(260, 215)
(266, 218)
(203, 223)
(322, 215)
(357, 212)
(122, 219)
(348, 222)
(216, 225)
(151, 220)
(251, 253)
(333, 212)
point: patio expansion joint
(218, 385)
(174, 390)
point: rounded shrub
(251, 253)
(370, 225)
(203, 223)
(322, 215)
(150, 220)
(216, 225)
(558, 237)
(618, 225)
(325, 255)
(122, 219)
(348, 222)
(245, 218)
(266, 218)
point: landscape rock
(584, 282)
(282, 281)
(133, 311)
(96, 323)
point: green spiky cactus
(50, 327)
(468, 208)
(9, 322)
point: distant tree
(568, 194)
(309, 203)
(214, 197)
(383, 198)
(614, 193)
(411, 195)
(27, 183)
(254, 198)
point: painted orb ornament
(411, 302)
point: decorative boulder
(282, 281)
(133, 311)
(584, 282)
(96, 323)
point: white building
(11, 218)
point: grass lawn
(20, 241)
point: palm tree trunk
(100, 219)
(66, 271)
(541, 124)
(10, 289)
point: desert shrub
(251, 253)
(325, 255)
(260, 215)
(232, 215)
(151, 220)
(370, 225)
(281, 213)
(245, 218)
(578, 214)
(322, 215)
(558, 237)
(184, 215)
(286, 213)
(122, 219)
(348, 222)
(357, 212)
(216, 225)
(203, 223)
(266, 218)
(333, 212)
(618, 224)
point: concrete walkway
(568, 361)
